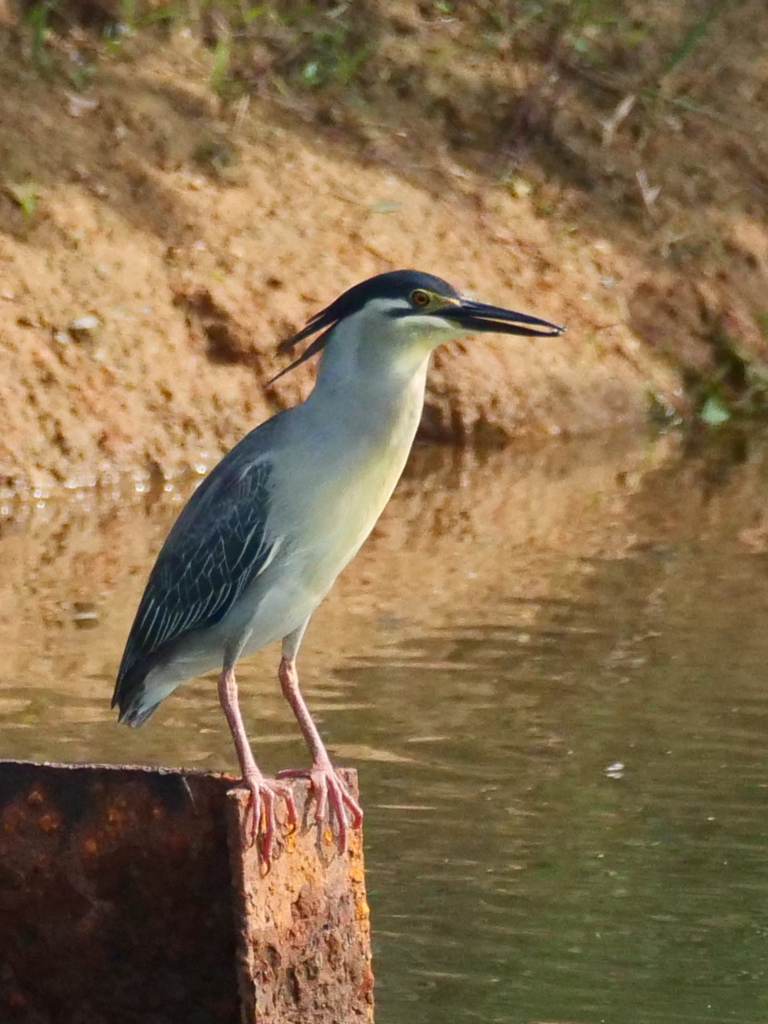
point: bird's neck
(369, 403)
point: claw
(259, 822)
(332, 796)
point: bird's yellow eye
(420, 297)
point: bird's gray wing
(217, 546)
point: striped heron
(262, 540)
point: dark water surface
(551, 671)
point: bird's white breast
(334, 472)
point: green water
(550, 671)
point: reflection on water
(550, 671)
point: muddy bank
(158, 238)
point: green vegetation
(327, 44)
(38, 19)
(735, 388)
(25, 195)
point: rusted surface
(117, 905)
(305, 947)
(115, 900)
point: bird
(263, 538)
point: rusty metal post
(305, 941)
(126, 895)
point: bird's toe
(259, 822)
(333, 801)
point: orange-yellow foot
(332, 796)
(259, 820)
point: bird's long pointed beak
(478, 316)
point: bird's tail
(130, 697)
(135, 715)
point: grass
(326, 45)
(221, 59)
(693, 36)
(735, 388)
(25, 195)
(38, 17)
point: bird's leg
(263, 792)
(330, 791)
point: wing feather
(218, 545)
